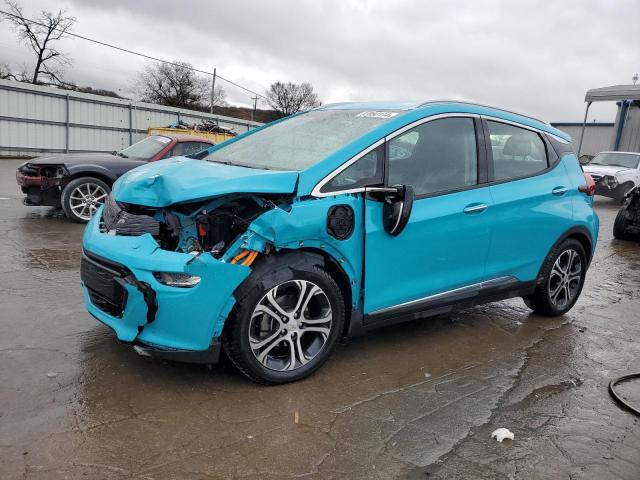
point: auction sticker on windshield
(377, 114)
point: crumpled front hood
(604, 169)
(180, 179)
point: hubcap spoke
(258, 344)
(318, 321)
(271, 298)
(324, 331)
(301, 356)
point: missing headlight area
(208, 226)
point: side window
(365, 171)
(517, 152)
(187, 148)
(434, 157)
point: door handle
(475, 208)
(558, 191)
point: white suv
(615, 173)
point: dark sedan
(79, 183)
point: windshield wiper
(123, 155)
(245, 165)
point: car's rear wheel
(286, 324)
(82, 196)
(620, 228)
(561, 280)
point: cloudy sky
(534, 56)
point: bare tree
(5, 72)
(220, 97)
(40, 35)
(176, 85)
(289, 98)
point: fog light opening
(180, 280)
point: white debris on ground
(501, 433)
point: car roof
(457, 105)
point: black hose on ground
(619, 399)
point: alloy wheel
(565, 278)
(85, 200)
(290, 325)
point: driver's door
(446, 241)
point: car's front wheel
(286, 323)
(561, 279)
(622, 191)
(82, 196)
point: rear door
(445, 244)
(532, 204)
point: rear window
(302, 140)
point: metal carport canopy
(613, 93)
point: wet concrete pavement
(418, 400)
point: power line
(104, 44)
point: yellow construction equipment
(214, 137)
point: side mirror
(398, 203)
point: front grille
(104, 283)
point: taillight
(590, 187)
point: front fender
(304, 226)
(91, 170)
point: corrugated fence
(36, 119)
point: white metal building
(36, 119)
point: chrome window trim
(316, 192)
(526, 127)
(317, 189)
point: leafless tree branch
(40, 35)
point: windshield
(617, 159)
(146, 148)
(300, 141)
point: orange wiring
(240, 256)
(251, 256)
(250, 259)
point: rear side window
(187, 148)
(517, 152)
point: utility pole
(255, 105)
(213, 89)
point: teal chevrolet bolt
(333, 222)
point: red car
(80, 182)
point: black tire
(549, 294)
(622, 192)
(620, 230)
(86, 185)
(283, 273)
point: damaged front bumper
(121, 289)
(42, 185)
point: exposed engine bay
(208, 226)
